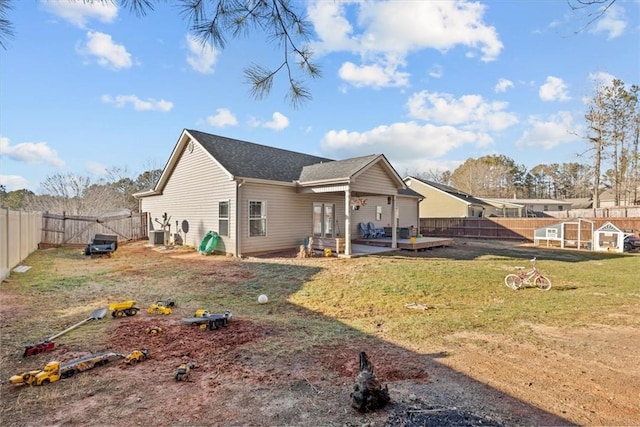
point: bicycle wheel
(542, 283)
(513, 281)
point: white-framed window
(379, 213)
(257, 218)
(223, 217)
(324, 218)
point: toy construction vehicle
(126, 308)
(136, 356)
(53, 371)
(201, 313)
(209, 320)
(184, 370)
(161, 307)
(153, 330)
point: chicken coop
(576, 234)
(609, 238)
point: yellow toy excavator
(136, 356)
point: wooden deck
(419, 244)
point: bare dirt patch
(589, 376)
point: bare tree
(488, 176)
(595, 123)
(596, 9)
(435, 175)
(75, 195)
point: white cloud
(375, 75)
(601, 78)
(201, 57)
(108, 53)
(79, 13)
(14, 182)
(613, 22)
(138, 104)
(278, 122)
(30, 152)
(387, 32)
(503, 85)
(437, 71)
(547, 133)
(554, 90)
(223, 118)
(401, 142)
(471, 112)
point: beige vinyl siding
(192, 193)
(442, 205)
(289, 216)
(407, 213)
(374, 180)
(367, 213)
(437, 204)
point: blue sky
(84, 89)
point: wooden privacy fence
(19, 236)
(508, 228)
(70, 230)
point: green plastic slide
(209, 243)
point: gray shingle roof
(454, 192)
(335, 169)
(249, 160)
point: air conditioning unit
(159, 237)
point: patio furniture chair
(364, 230)
(375, 232)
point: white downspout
(347, 221)
(237, 225)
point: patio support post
(347, 221)
(394, 223)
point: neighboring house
(261, 199)
(535, 207)
(503, 208)
(443, 201)
(628, 198)
(580, 203)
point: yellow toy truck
(121, 309)
(53, 371)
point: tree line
(612, 159)
(81, 195)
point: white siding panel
(192, 193)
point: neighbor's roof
(534, 201)
(454, 192)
